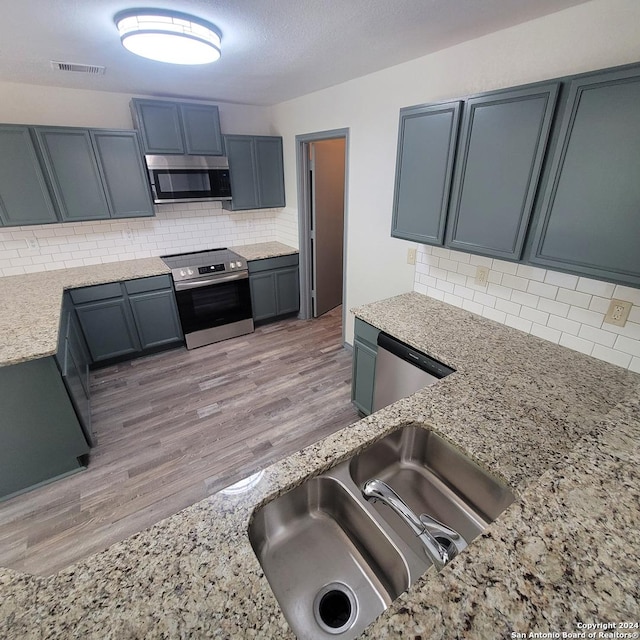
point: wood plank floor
(178, 426)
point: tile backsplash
(562, 308)
(176, 228)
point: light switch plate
(482, 276)
(618, 312)
(411, 256)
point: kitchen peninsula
(559, 427)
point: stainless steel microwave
(188, 178)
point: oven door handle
(239, 275)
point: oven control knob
(189, 272)
(182, 273)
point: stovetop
(186, 266)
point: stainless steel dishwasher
(402, 370)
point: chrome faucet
(425, 527)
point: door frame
(304, 217)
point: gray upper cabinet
(123, 173)
(589, 218)
(503, 140)
(201, 128)
(426, 148)
(178, 127)
(159, 124)
(24, 197)
(73, 172)
(256, 171)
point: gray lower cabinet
(365, 351)
(24, 197)
(156, 318)
(589, 218)
(503, 140)
(275, 287)
(95, 174)
(427, 138)
(256, 171)
(178, 127)
(73, 360)
(40, 436)
(127, 319)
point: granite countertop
(263, 250)
(29, 323)
(559, 427)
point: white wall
(591, 36)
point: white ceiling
(273, 50)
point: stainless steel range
(212, 291)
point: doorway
(322, 162)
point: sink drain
(335, 608)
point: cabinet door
(123, 174)
(156, 318)
(159, 125)
(590, 214)
(287, 290)
(502, 144)
(73, 172)
(363, 374)
(201, 127)
(263, 295)
(242, 172)
(40, 437)
(270, 171)
(24, 197)
(73, 377)
(426, 149)
(108, 328)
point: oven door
(214, 308)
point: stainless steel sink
(335, 561)
(435, 478)
(330, 566)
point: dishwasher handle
(419, 359)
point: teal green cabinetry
(275, 287)
(365, 351)
(40, 436)
(122, 320)
(589, 216)
(178, 127)
(427, 138)
(256, 171)
(24, 196)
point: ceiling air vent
(93, 69)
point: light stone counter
(264, 250)
(559, 427)
(31, 304)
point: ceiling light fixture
(169, 36)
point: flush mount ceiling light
(169, 36)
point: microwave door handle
(183, 286)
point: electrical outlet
(618, 312)
(411, 256)
(32, 243)
(482, 276)
(128, 234)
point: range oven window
(191, 183)
(214, 305)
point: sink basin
(330, 566)
(336, 561)
(432, 477)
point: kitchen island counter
(559, 427)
